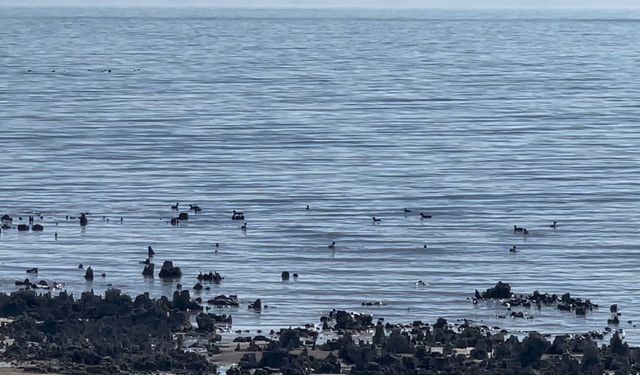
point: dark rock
(398, 342)
(285, 275)
(37, 227)
(256, 305)
(289, 338)
(88, 275)
(183, 216)
(532, 349)
(182, 301)
(212, 277)
(500, 290)
(169, 271)
(148, 270)
(379, 337)
(224, 301)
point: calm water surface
(484, 120)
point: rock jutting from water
(117, 334)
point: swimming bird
(425, 246)
(150, 252)
(244, 226)
(513, 249)
(423, 216)
(176, 207)
(56, 235)
(421, 283)
(407, 210)
(525, 232)
(194, 208)
(307, 207)
(333, 245)
(516, 229)
(553, 225)
(376, 220)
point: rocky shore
(117, 334)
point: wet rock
(148, 270)
(83, 220)
(168, 271)
(37, 227)
(532, 349)
(94, 334)
(88, 275)
(289, 338)
(23, 228)
(500, 290)
(350, 321)
(379, 337)
(256, 305)
(212, 277)
(440, 323)
(224, 301)
(183, 216)
(285, 275)
(182, 301)
(206, 322)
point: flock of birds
(238, 215)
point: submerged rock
(168, 271)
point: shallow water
(483, 120)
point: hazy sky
(545, 4)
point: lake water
(483, 120)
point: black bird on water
(513, 249)
(176, 207)
(332, 245)
(376, 220)
(423, 216)
(553, 225)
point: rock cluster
(565, 302)
(440, 348)
(114, 334)
(168, 271)
(212, 277)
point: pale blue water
(484, 120)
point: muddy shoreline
(120, 334)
